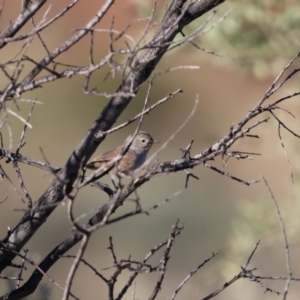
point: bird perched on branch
(125, 162)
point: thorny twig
(138, 67)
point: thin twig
(287, 249)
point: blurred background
(254, 42)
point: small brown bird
(132, 159)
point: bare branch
(287, 249)
(190, 275)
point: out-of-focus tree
(259, 36)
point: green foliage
(258, 37)
(259, 221)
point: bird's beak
(156, 142)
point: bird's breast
(141, 158)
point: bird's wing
(102, 158)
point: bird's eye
(143, 140)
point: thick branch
(174, 21)
(21, 20)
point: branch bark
(175, 19)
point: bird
(131, 160)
